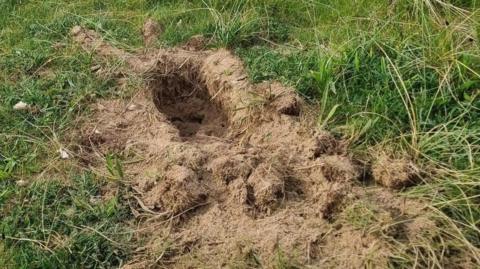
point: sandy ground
(228, 174)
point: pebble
(63, 154)
(21, 106)
(21, 183)
(132, 107)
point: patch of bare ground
(394, 173)
(223, 171)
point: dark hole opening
(188, 106)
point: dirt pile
(227, 173)
(394, 173)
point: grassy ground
(396, 76)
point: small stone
(63, 154)
(21, 183)
(95, 68)
(21, 106)
(132, 107)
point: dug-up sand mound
(229, 174)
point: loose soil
(224, 173)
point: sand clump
(235, 170)
(179, 190)
(267, 187)
(394, 173)
(339, 169)
(151, 31)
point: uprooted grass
(400, 76)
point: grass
(400, 76)
(49, 223)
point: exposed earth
(231, 174)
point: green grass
(404, 78)
(53, 225)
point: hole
(188, 106)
